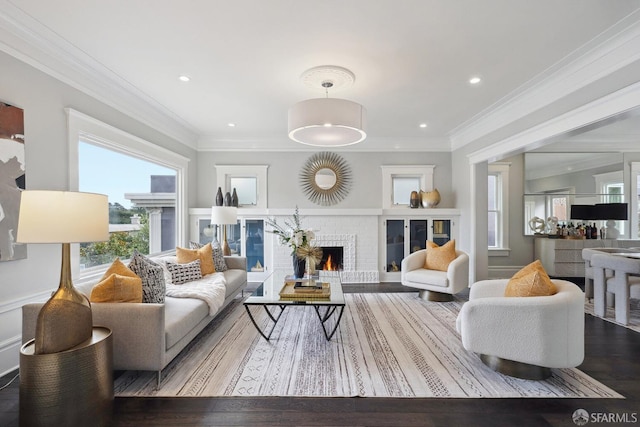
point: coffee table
(267, 296)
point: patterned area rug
(610, 315)
(387, 345)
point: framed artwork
(12, 180)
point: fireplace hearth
(332, 258)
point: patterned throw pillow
(439, 257)
(204, 254)
(531, 281)
(183, 273)
(152, 275)
(218, 256)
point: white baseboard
(503, 271)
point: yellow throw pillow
(118, 284)
(204, 254)
(439, 257)
(531, 281)
(117, 288)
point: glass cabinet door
(417, 234)
(234, 238)
(254, 242)
(395, 244)
(441, 231)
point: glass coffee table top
(329, 308)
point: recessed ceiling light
(423, 125)
(475, 80)
(184, 78)
(231, 125)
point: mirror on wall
(553, 182)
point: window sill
(497, 252)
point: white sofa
(148, 336)
(524, 336)
(435, 285)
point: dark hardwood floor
(612, 357)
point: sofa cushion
(181, 316)
(152, 275)
(118, 284)
(431, 277)
(218, 256)
(530, 281)
(204, 254)
(182, 273)
(439, 257)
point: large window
(498, 205)
(140, 191)
(145, 184)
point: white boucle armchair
(524, 336)
(435, 285)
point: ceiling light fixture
(475, 80)
(423, 125)
(184, 78)
(327, 122)
(231, 125)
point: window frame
(224, 173)
(82, 127)
(501, 171)
(633, 201)
(423, 172)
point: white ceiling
(412, 58)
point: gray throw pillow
(152, 275)
(218, 255)
(183, 273)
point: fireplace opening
(332, 258)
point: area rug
(387, 345)
(610, 315)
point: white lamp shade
(224, 215)
(62, 217)
(327, 122)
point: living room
(588, 82)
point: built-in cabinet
(245, 238)
(563, 257)
(403, 235)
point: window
(498, 205)
(399, 181)
(145, 184)
(611, 187)
(402, 188)
(635, 200)
(250, 182)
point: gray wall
(283, 184)
(44, 100)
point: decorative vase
(298, 267)
(227, 199)
(234, 198)
(414, 200)
(219, 198)
(430, 199)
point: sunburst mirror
(325, 178)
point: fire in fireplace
(332, 258)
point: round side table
(70, 388)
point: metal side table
(69, 388)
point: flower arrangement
(298, 239)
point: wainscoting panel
(11, 329)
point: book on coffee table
(320, 290)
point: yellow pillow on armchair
(531, 281)
(439, 257)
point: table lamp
(224, 215)
(63, 217)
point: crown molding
(371, 144)
(612, 50)
(620, 103)
(28, 40)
